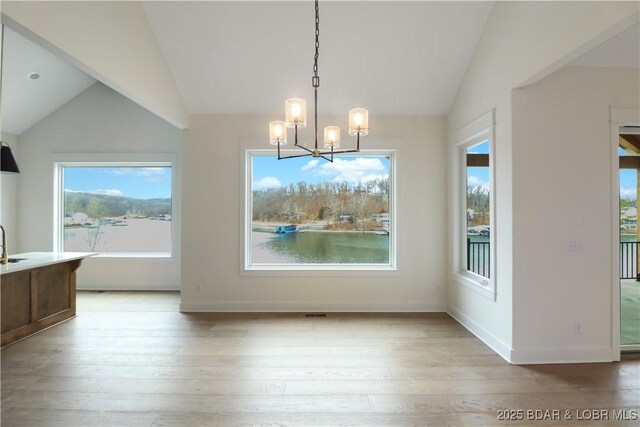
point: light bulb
(295, 113)
(332, 137)
(358, 122)
(277, 133)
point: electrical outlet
(578, 328)
(575, 246)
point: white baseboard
(312, 306)
(531, 356)
(127, 287)
(485, 336)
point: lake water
(139, 235)
(320, 248)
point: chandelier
(296, 118)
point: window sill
(325, 270)
(135, 256)
(483, 287)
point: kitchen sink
(16, 259)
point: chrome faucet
(5, 257)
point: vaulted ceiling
(248, 57)
(622, 50)
(26, 101)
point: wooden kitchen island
(37, 292)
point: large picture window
(310, 213)
(115, 208)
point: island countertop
(41, 259)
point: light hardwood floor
(130, 359)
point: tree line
(478, 200)
(103, 206)
(338, 204)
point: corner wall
(521, 43)
(99, 120)
(562, 192)
(213, 156)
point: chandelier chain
(315, 63)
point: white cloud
(106, 192)
(358, 170)
(474, 181)
(312, 164)
(629, 193)
(266, 183)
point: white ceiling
(622, 50)
(24, 101)
(248, 57)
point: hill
(103, 205)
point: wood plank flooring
(131, 359)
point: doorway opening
(629, 237)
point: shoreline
(313, 227)
(262, 230)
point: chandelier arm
(294, 156)
(324, 153)
(312, 153)
(305, 149)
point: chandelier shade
(277, 133)
(296, 118)
(332, 137)
(358, 122)
(296, 112)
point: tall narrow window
(312, 214)
(473, 206)
(478, 209)
(116, 208)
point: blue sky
(628, 181)
(135, 182)
(269, 172)
(478, 175)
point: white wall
(110, 40)
(521, 43)
(211, 233)
(562, 185)
(99, 120)
(9, 196)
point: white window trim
(313, 269)
(60, 161)
(480, 130)
(618, 116)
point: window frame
(479, 131)
(247, 267)
(97, 160)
